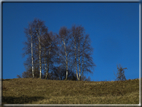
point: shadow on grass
(6, 79)
(20, 100)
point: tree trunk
(45, 61)
(32, 57)
(76, 61)
(66, 59)
(47, 71)
(39, 59)
(79, 58)
(82, 62)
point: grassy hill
(40, 91)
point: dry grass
(39, 91)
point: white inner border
(140, 24)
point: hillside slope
(40, 91)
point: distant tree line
(62, 56)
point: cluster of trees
(62, 56)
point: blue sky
(113, 29)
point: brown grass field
(40, 91)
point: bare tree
(120, 74)
(40, 30)
(82, 51)
(50, 57)
(70, 49)
(87, 60)
(36, 30)
(46, 48)
(75, 37)
(29, 45)
(64, 49)
(80, 31)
